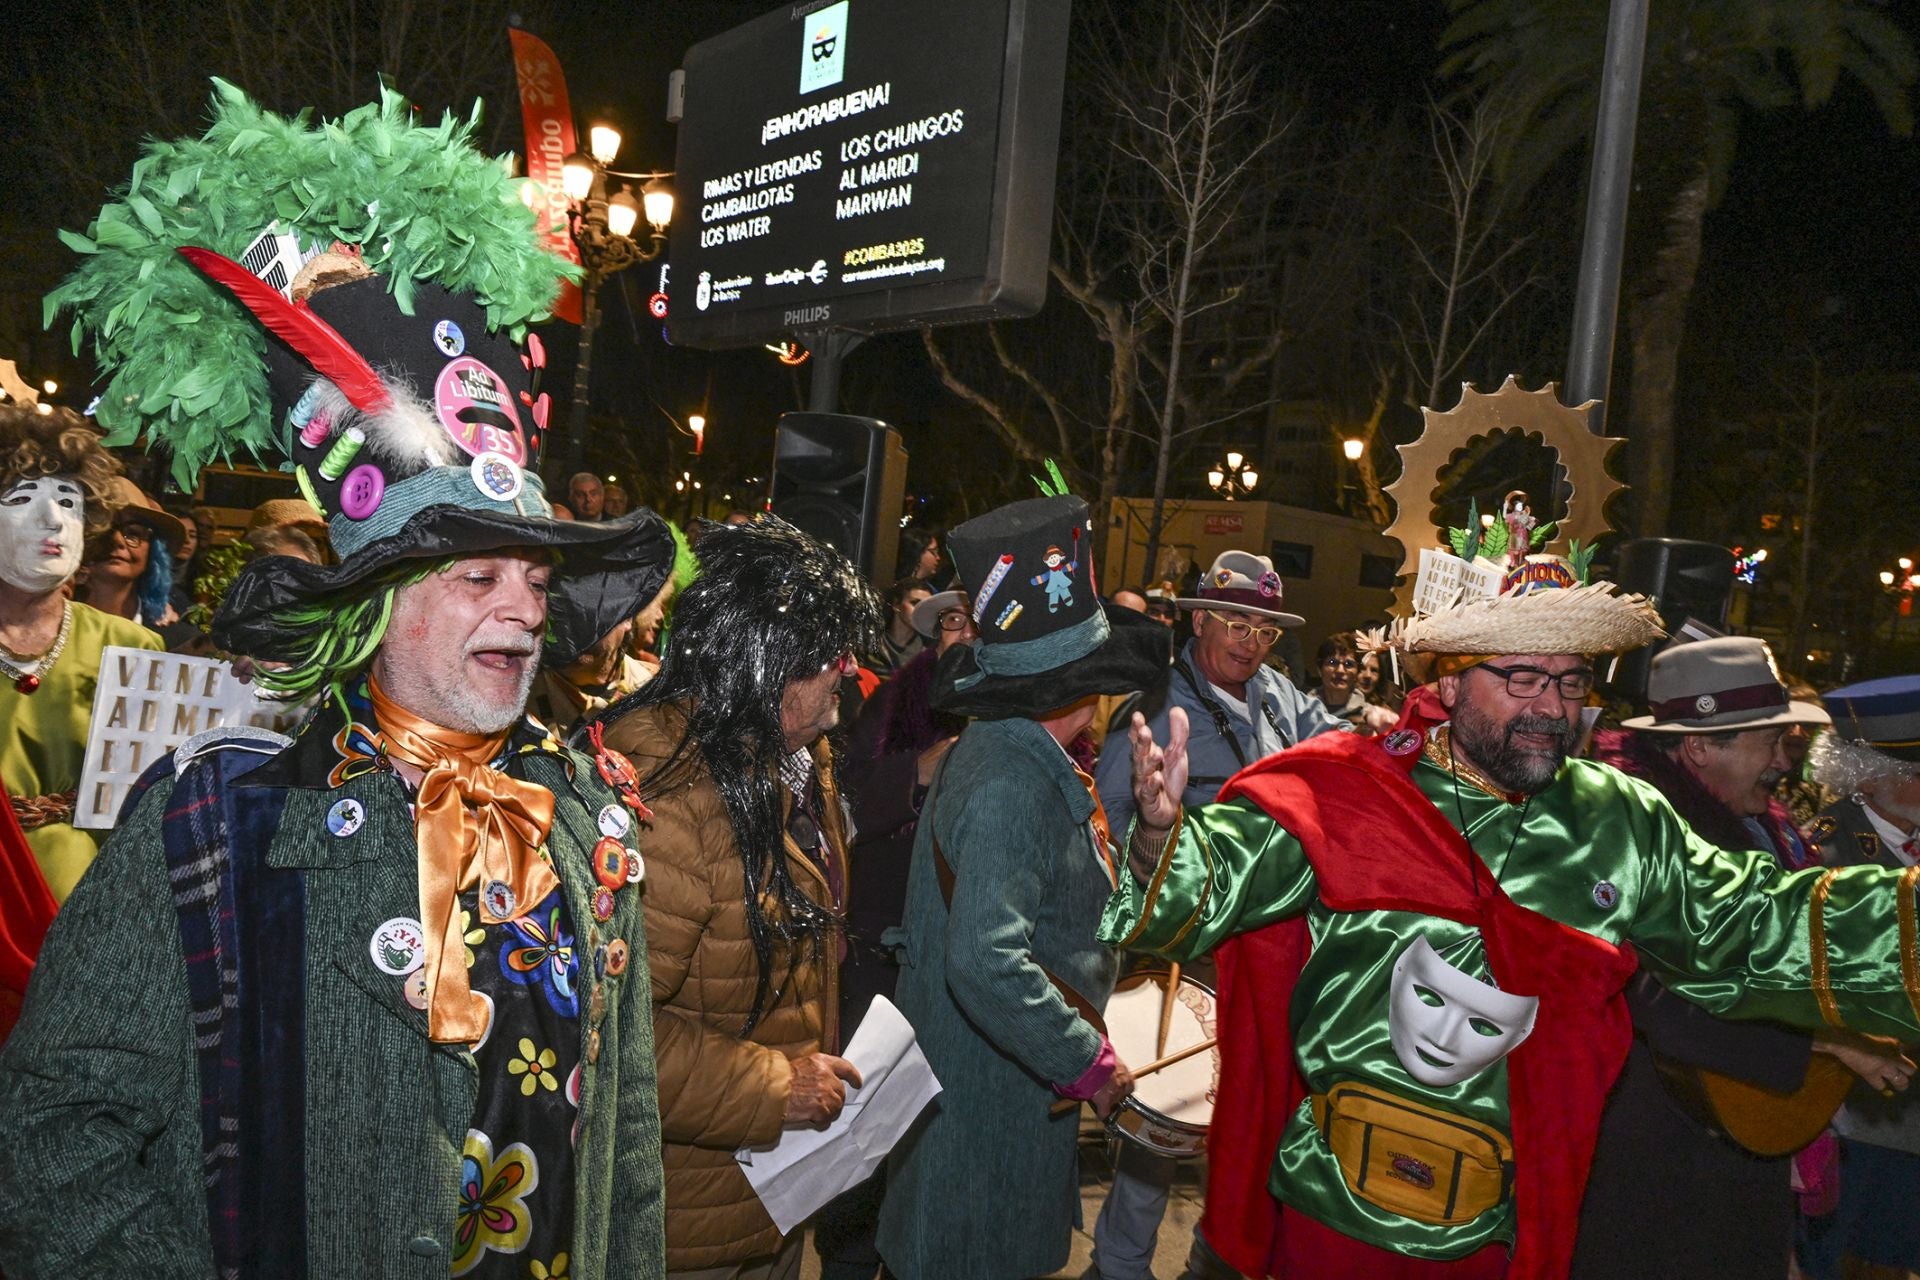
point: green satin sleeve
(1227, 868)
(1741, 937)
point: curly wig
(771, 605)
(61, 443)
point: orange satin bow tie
(471, 822)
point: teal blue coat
(100, 1142)
(986, 1185)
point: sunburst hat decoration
(352, 296)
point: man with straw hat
(372, 1001)
(1423, 1059)
(1001, 975)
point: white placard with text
(148, 703)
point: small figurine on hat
(1057, 578)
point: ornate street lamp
(1235, 479)
(602, 226)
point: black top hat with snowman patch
(1046, 639)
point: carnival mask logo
(41, 533)
(1447, 1026)
(823, 48)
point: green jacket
(99, 1090)
(1012, 817)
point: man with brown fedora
(1712, 743)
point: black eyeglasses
(953, 620)
(1531, 682)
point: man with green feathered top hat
(369, 1001)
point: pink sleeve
(1095, 1077)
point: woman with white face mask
(55, 487)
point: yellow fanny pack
(1411, 1159)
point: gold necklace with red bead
(27, 678)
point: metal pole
(1596, 305)
(583, 374)
(829, 348)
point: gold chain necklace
(26, 678)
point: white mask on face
(41, 528)
(1447, 1026)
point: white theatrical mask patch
(1447, 1026)
(41, 533)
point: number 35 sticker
(475, 407)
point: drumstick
(1179, 1055)
(1166, 1006)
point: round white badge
(346, 817)
(1706, 704)
(636, 868)
(399, 946)
(614, 821)
(415, 987)
(496, 476)
(498, 898)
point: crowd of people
(597, 842)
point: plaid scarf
(240, 922)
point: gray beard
(492, 717)
(1512, 768)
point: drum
(1170, 1110)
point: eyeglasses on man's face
(1531, 682)
(953, 619)
(1237, 630)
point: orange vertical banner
(549, 123)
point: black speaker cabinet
(1685, 580)
(842, 479)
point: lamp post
(602, 226)
(1235, 479)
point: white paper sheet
(809, 1167)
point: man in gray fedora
(1712, 743)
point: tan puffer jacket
(719, 1092)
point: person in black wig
(746, 868)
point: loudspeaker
(1685, 580)
(842, 479)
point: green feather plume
(1053, 485)
(185, 363)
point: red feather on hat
(316, 341)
